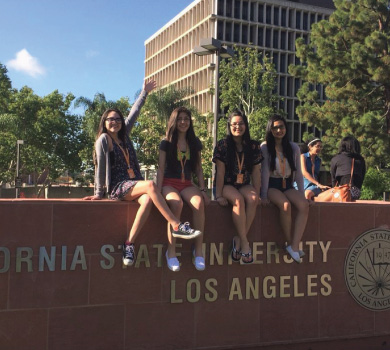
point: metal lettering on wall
(367, 269)
(241, 288)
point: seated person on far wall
(310, 165)
(341, 165)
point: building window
(283, 40)
(237, 9)
(220, 30)
(275, 60)
(252, 14)
(244, 34)
(284, 18)
(221, 5)
(282, 86)
(283, 68)
(237, 38)
(252, 34)
(276, 39)
(312, 19)
(298, 20)
(228, 31)
(291, 41)
(268, 37)
(260, 13)
(268, 14)
(291, 18)
(276, 16)
(245, 10)
(305, 23)
(229, 7)
(260, 40)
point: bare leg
(309, 194)
(251, 201)
(140, 218)
(302, 205)
(193, 197)
(175, 203)
(150, 188)
(236, 199)
(281, 201)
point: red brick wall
(86, 303)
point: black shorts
(277, 183)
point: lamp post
(210, 46)
(18, 182)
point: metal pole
(17, 168)
(216, 112)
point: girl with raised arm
(117, 173)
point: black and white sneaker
(185, 231)
(128, 254)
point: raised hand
(149, 85)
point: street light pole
(210, 46)
(17, 180)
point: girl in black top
(238, 162)
(179, 157)
(341, 164)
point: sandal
(236, 254)
(247, 255)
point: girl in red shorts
(179, 157)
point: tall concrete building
(272, 26)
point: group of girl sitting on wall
(239, 180)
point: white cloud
(91, 53)
(26, 63)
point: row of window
(186, 22)
(258, 35)
(256, 11)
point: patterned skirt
(122, 188)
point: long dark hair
(246, 142)
(287, 149)
(350, 145)
(103, 130)
(172, 137)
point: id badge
(131, 173)
(240, 178)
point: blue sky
(80, 46)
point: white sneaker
(173, 263)
(198, 261)
(294, 255)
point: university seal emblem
(367, 269)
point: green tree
(247, 81)
(163, 101)
(375, 183)
(50, 132)
(349, 54)
(90, 123)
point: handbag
(338, 193)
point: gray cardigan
(103, 167)
(265, 170)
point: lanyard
(282, 164)
(125, 152)
(183, 163)
(240, 176)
